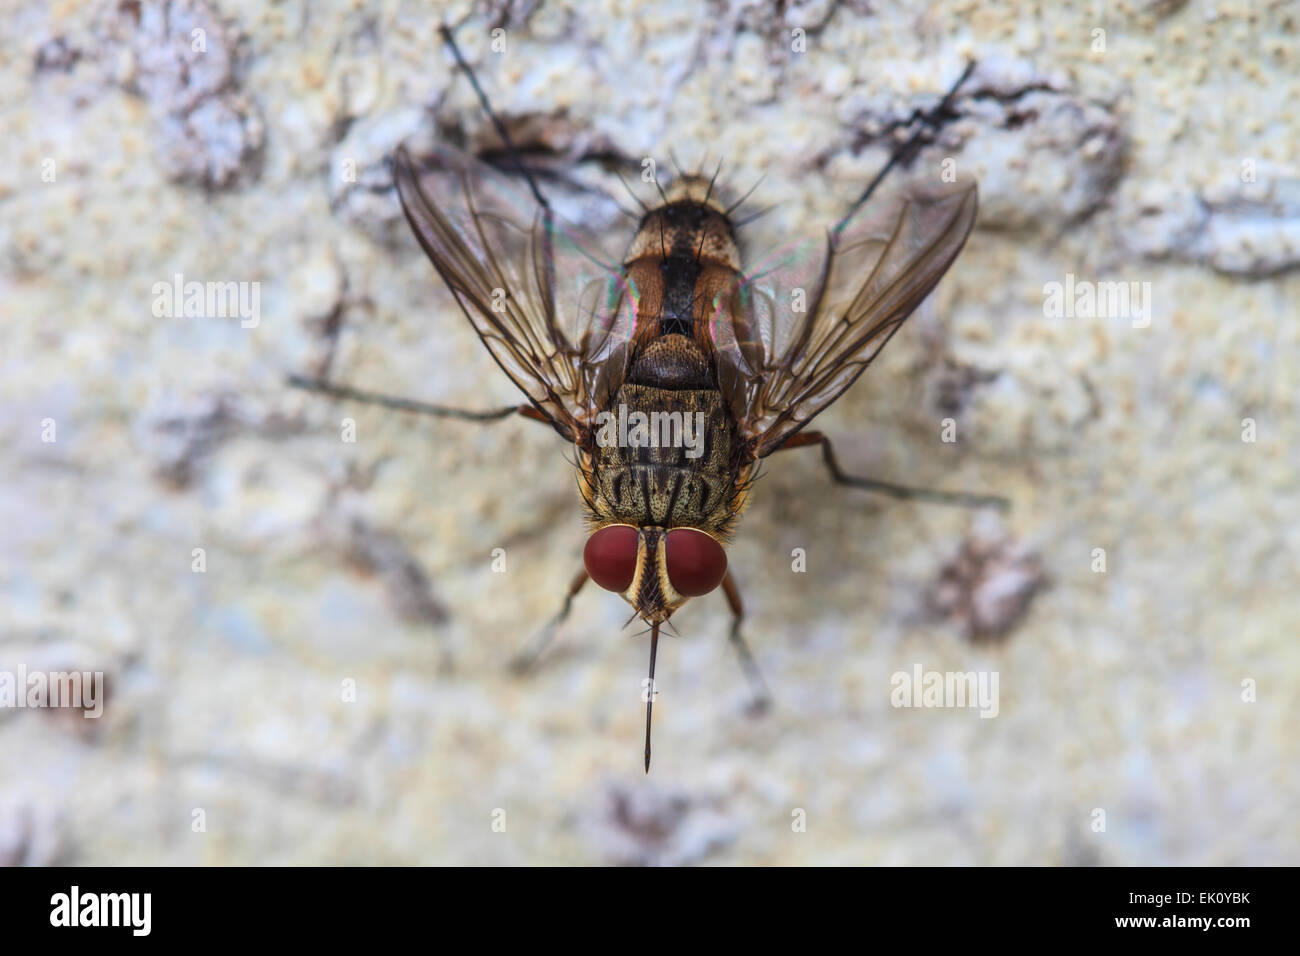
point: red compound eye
(610, 557)
(696, 562)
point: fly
(671, 368)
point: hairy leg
(960, 498)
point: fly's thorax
(687, 229)
(683, 260)
(672, 361)
(678, 295)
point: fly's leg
(523, 662)
(961, 498)
(761, 698)
(912, 145)
(424, 408)
(411, 405)
(448, 39)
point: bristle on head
(693, 188)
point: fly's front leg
(960, 498)
(762, 699)
(929, 121)
(322, 387)
(523, 662)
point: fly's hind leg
(322, 387)
(960, 498)
(761, 698)
(523, 662)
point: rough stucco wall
(371, 561)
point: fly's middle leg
(523, 662)
(761, 698)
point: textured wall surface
(1155, 680)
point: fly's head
(654, 569)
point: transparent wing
(551, 302)
(799, 328)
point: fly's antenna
(909, 148)
(650, 691)
(496, 122)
